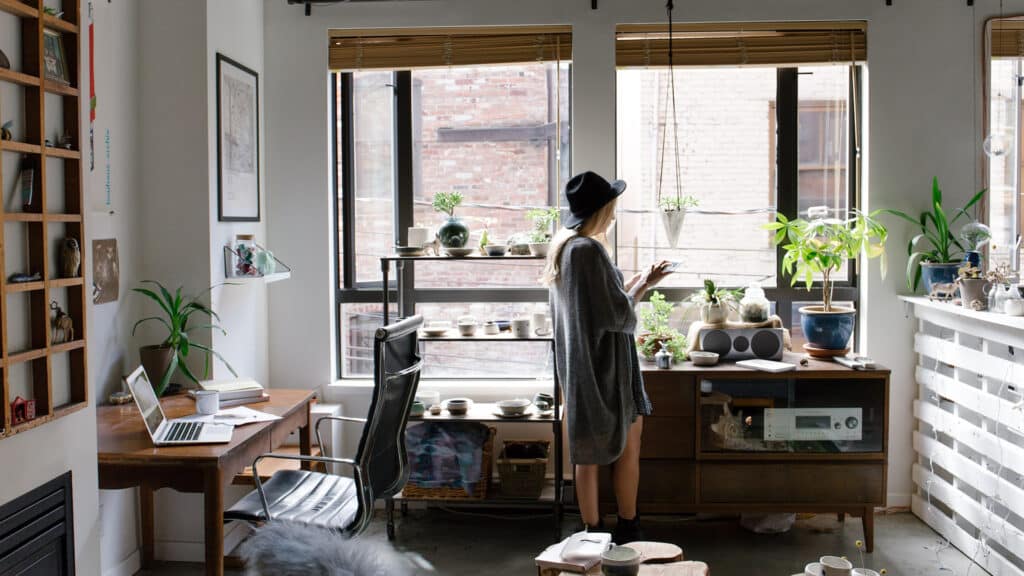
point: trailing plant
(677, 203)
(1000, 275)
(177, 313)
(657, 332)
(824, 245)
(543, 220)
(935, 241)
(447, 202)
(715, 295)
(968, 272)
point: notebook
(233, 388)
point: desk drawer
(667, 437)
(664, 484)
(671, 394)
(792, 483)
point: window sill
(350, 385)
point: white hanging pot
(672, 220)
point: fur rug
(288, 549)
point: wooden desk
(127, 459)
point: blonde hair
(594, 227)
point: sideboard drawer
(671, 394)
(667, 437)
(662, 483)
(792, 483)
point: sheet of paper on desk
(237, 416)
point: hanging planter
(673, 214)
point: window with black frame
(485, 114)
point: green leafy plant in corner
(824, 245)
(715, 295)
(657, 331)
(178, 312)
(677, 203)
(447, 202)
(543, 219)
(935, 241)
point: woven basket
(453, 493)
(523, 477)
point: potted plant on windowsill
(544, 220)
(822, 246)
(453, 233)
(716, 302)
(161, 360)
(673, 214)
(657, 332)
(935, 252)
(973, 286)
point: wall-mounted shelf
(282, 271)
(268, 279)
(33, 365)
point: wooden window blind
(432, 47)
(1007, 38)
(741, 44)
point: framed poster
(238, 145)
(55, 65)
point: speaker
(743, 343)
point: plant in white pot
(673, 214)
(716, 302)
(817, 249)
(161, 360)
(544, 220)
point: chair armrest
(316, 428)
(302, 458)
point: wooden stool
(659, 559)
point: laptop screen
(146, 400)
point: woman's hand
(655, 273)
(632, 281)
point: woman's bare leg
(586, 493)
(626, 473)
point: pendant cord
(675, 121)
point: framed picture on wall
(238, 142)
(54, 64)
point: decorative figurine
(5, 62)
(433, 247)
(47, 143)
(70, 258)
(28, 177)
(65, 140)
(943, 292)
(53, 12)
(22, 410)
(63, 327)
(22, 277)
(5, 131)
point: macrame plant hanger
(674, 213)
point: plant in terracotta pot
(673, 214)
(820, 247)
(454, 233)
(716, 302)
(544, 220)
(657, 331)
(973, 286)
(161, 360)
(935, 251)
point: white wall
(920, 98)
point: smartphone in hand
(673, 266)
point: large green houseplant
(657, 332)
(819, 248)
(935, 251)
(161, 360)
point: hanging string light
(996, 143)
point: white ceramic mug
(835, 566)
(490, 328)
(207, 402)
(418, 236)
(521, 327)
(541, 324)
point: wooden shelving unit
(32, 236)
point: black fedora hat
(587, 193)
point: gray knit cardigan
(595, 355)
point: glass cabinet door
(791, 415)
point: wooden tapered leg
(869, 528)
(146, 513)
(213, 521)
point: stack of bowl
(513, 408)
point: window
(499, 133)
(752, 140)
(1005, 110)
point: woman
(595, 353)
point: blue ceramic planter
(827, 330)
(932, 274)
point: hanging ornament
(996, 144)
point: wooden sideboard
(695, 458)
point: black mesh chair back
(381, 451)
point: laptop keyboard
(183, 431)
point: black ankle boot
(627, 531)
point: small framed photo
(54, 63)
(238, 142)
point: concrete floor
(505, 543)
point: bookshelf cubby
(32, 364)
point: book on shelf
(233, 388)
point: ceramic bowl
(458, 406)
(513, 407)
(1014, 307)
(539, 248)
(417, 409)
(812, 569)
(467, 328)
(620, 561)
(495, 249)
(458, 252)
(701, 358)
(436, 328)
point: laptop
(166, 432)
